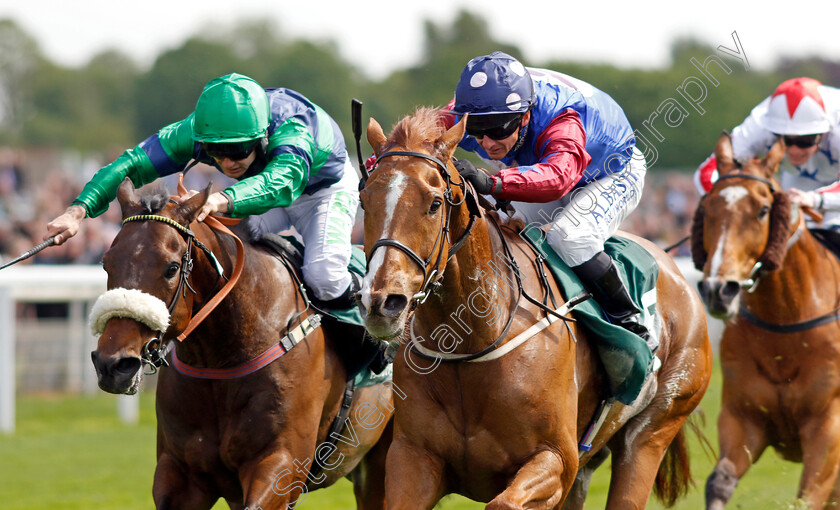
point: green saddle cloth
(626, 356)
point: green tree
(169, 91)
(20, 59)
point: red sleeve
(447, 116)
(562, 161)
(706, 175)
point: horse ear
(375, 135)
(774, 157)
(190, 208)
(723, 154)
(126, 195)
(453, 136)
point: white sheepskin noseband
(131, 304)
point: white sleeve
(750, 139)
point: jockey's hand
(482, 182)
(216, 203)
(810, 199)
(67, 225)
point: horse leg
(275, 481)
(741, 443)
(172, 489)
(542, 482)
(820, 458)
(636, 461)
(577, 495)
(414, 477)
(369, 476)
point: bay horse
(780, 349)
(502, 425)
(231, 423)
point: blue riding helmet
(493, 84)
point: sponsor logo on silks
(340, 218)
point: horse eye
(171, 270)
(763, 212)
(436, 203)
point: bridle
(152, 353)
(432, 273)
(751, 282)
(432, 279)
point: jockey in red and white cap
(806, 115)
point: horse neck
(472, 304)
(804, 287)
(213, 343)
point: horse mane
(154, 198)
(421, 129)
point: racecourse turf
(71, 452)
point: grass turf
(71, 452)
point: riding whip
(356, 116)
(29, 253)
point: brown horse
(247, 434)
(504, 431)
(780, 350)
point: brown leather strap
(216, 223)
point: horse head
(408, 202)
(148, 267)
(741, 228)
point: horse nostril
(127, 366)
(394, 305)
(703, 289)
(729, 290)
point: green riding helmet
(233, 108)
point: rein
(431, 279)
(152, 353)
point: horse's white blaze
(392, 200)
(733, 194)
(717, 256)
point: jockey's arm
(562, 162)
(163, 153)
(278, 185)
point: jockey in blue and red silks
(564, 153)
(805, 114)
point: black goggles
(499, 131)
(803, 142)
(234, 151)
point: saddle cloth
(625, 356)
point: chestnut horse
(247, 434)
(504, 431)
(780, 350)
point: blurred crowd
(29, 201)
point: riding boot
(363, 350)
(345, 300)
(600, 277)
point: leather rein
(152, 353)
(432, 278)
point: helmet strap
(523, 132)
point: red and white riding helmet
(797, 108)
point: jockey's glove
(482, 182)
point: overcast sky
(379, 36)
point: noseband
(431, 279)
